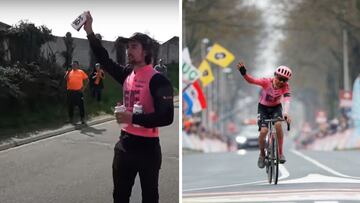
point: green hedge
(19, 119)
(173, 74)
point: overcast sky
(112, 18)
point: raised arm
(250, 79)
(118, 72)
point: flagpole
(222, 101)
(205, 113)
(218, 97)
(211, 106)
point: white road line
(283, 171)
(318, 178)
(328, 169)
(331, 195)
(223, 186)
(272, 192)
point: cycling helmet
(283, 71)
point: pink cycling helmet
(284, 71)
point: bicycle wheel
(276, 160)
(270, 161)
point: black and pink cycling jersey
(269, 95)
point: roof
(4, 26)
(173, 40)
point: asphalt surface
(307, 176)
(76, 167)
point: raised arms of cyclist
(250, 79)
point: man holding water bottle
(148, 102)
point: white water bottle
(79, 21)
(137, 109)
(119, 108)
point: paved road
(76, 167)
(308, 176)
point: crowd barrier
(206, 145)
(348, 139)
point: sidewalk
(32, 137)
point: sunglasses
(281, 79)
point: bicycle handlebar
(278, 119)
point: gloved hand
(241, 68)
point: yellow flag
(220, 56)
(206, 75)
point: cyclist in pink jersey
(273, 90)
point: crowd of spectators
(309, 134)
(197, 137)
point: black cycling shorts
(268, 112)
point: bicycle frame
(272, 151)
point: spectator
(98, 76)
(161, 68)
(75, 87)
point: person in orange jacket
(75, 87)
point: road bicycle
(272, 151)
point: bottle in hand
(119, 108)
(79, 21)
(137, 109)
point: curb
(18, 142)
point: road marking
(328, 169)
(326, 202)
(276, 195)
(223, 186)
(269, 192)
(283, 171)
(318, 178)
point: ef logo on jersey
(270, 98)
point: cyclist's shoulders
(266, 80)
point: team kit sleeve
(162, 93)
(118, 72)
(257, 81)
